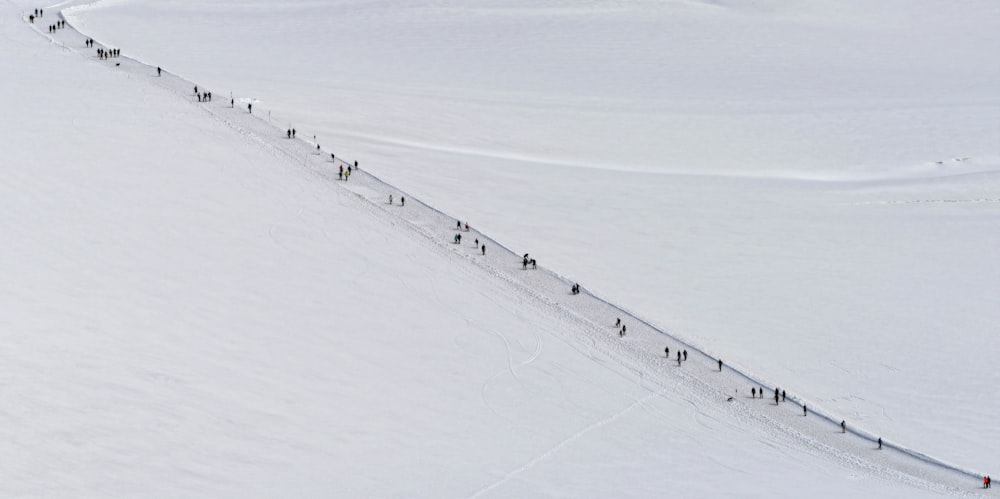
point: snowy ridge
(546, 290)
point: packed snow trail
(639, 351)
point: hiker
(250, 108)
(317, 148)
(347, 174)
(466, 226)
(782, 395)
(776, 399)
(159, 71)
(534, 264)
(31, 19)
(880, 443)
(678, 358)
(232, 103)
(355, 164)
(348, 169)
(761, 392)
(196, 89)
(458, 225)
(804, 410)
(619, 323)
(524, 263)
(775, 393)
(458, 238)
(685, 355)
(666, 352)
(340, 174)
(333, 159)
(986, 482)
(484, 249)
(621, 332)
(623, 329)
(843, 426)
(288, 133)
(402, 202)
(720, 365)
(293, 133)
(390, 198)
(753, 392)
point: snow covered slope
(808, 190)
(194, 306)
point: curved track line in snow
(542, 289)
(568, 440)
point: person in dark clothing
(843, 426)
(288, 133)
(534, 264)
(720, 365)
(484, 250)
(458, 224)
(623, 329)
(776, 393)
(619, 323)
(775, 399)
(666, 352)
(685, 355)
(293, 133)
(159, 71)
(753, 392)
(804, 410)
(678, 358)
(250, 108)
(761, 391)
(333, 159)
(402, 202)
(524, 264)
(880, 442)
(782, 395)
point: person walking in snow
(618, 322)
(678, 358)
(293, 133)
(458, 224)
(347, 175)
(524, 263)
(484, 249)
(666, 352)
(685, 355)
(159, 71)
(805, 410)
(880, 443)
(761, 392)
(775, 399)
(333, 159)
(843, 426)
(250, 108)
(720, 365)
(196, 89)
(390, 198)
(623, 329)
(753, 392)
(776, 393)
(534, 264)
(402, 202)
(782, 395)
(348, 169)
(288, 133)
(466, 226)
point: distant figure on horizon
(880, 443)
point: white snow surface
(195, 306)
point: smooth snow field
(196, 306)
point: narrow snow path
(639, 351)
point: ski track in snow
(545, 291)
